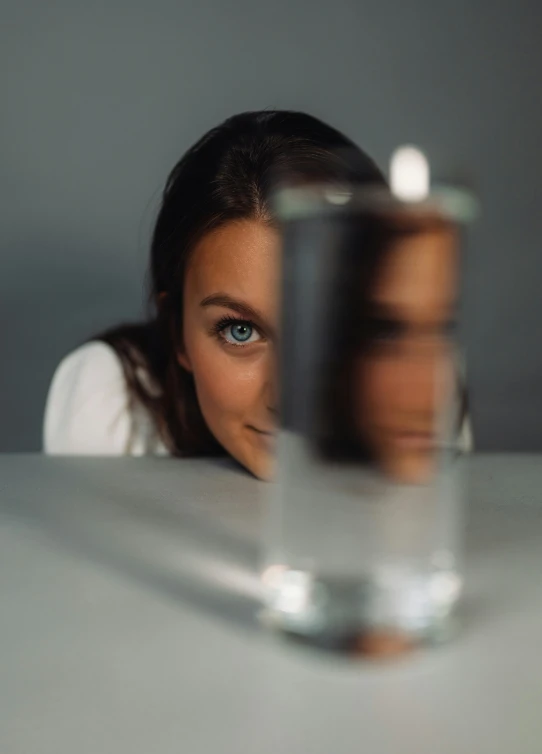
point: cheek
(378, 382)
(227, 385)
(388, 386)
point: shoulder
(92, 370)
(95, 361)
(87, 407)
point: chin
(418, 470)
(262, 467)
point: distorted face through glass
(403, 379)
(392, 371)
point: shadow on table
(188, 531)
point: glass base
(385, 614)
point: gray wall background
(98, 100)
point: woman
(197, 378)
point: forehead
(419, 272)
(240, 258)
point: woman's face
(230, 319)
(404, 378)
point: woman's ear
(184, 361)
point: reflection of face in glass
(388, 371)
(400, 378)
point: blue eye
(240, 333)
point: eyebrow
(222, 299)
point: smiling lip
(264, 432)
(266, 437)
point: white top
(88, 409)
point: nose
(419, 376)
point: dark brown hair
(227, 175)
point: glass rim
(304, 201)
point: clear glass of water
(364, 536)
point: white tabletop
(126, 624)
